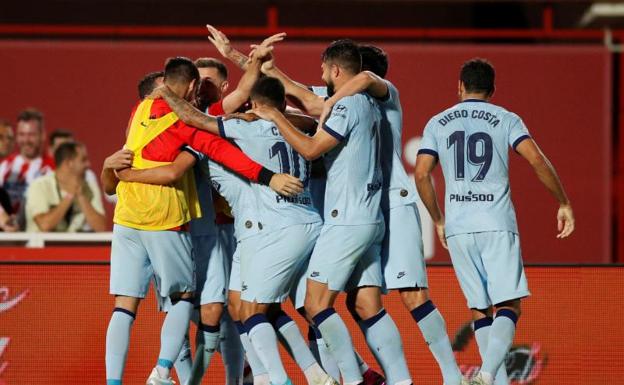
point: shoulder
(159, 108)
(43, 182)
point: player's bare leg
(433, 329)
(381, 333)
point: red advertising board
(53, 320)
(562, 92)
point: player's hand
(118, 160)
(441, 233)
(268, 66)
(565, 221)
(286, 185)
(219, 40)
(265, 112)
(246, 116)
(273, 39)
(261, 52)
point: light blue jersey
(472, 140)
(237, 192)
(398, 188)
(206, 224)
(354, 178)
(262, 142)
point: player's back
(398, 188)
(354, 178)
(262, 142)
(472, 141)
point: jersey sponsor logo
(470, 197)
(302, 200)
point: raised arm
(425, 163)
(238, 97)
(308, 147)
(222, 44)
(548, 176)
(313, 104)
(162, 175)
(186, 111)
(117, 161)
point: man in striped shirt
(18, 170)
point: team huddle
(232, 203)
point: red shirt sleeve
(216, 109)
(225, 153)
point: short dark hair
(148, 83)
(345, 54)
(270, 91)
(31, 114)
(210, 62)
(66, 151)
(374, 59)
(478, 76)
(181, 70)
(5, 123)
(60, 133)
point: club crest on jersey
(340, 110)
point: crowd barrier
(55, 307)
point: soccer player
(347, 253)
(470, 141)
(282, 219)
(149, 236)
(403, 260)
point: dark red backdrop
(562, 92)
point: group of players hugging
(232, 203)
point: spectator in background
(7, 141)
(63, 201)
(58, 137)
(7, 138)
(18, 170)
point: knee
(130, 304)
(312, 306)
(414, 297)
(210, 314)
(513, 305)
(367, 302)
